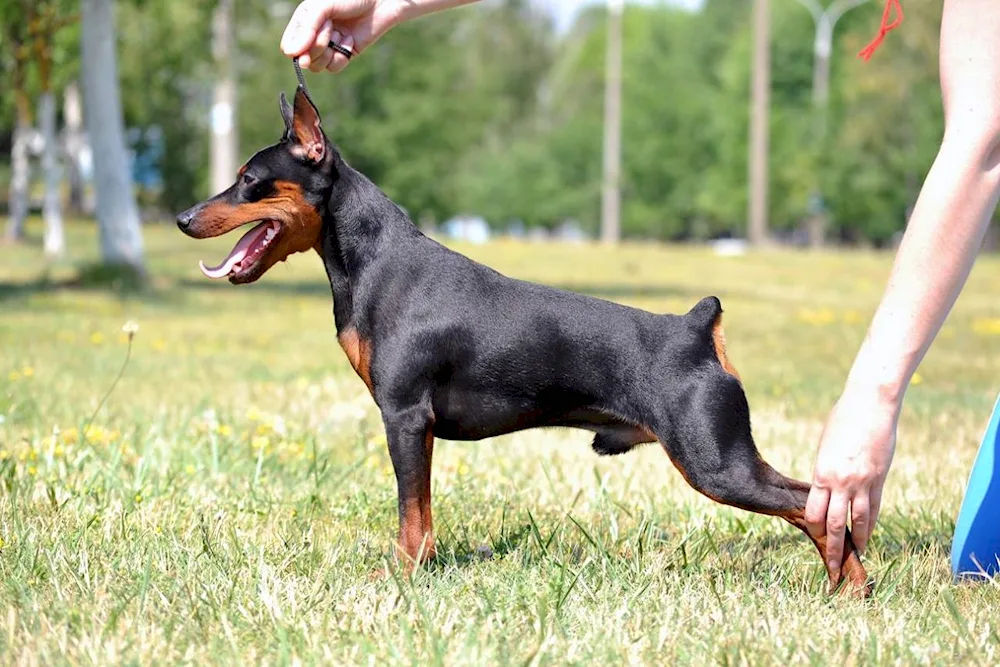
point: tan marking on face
(300, 222)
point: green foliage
(487, 110)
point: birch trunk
(55, 241)
(19, 178)
(117, 213)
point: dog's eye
(248, 179)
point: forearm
(411, 9)
(938, 249)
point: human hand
(855, 453)
(353, 24)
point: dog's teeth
(270, 234)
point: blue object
(976, 547)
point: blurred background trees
(492, 111)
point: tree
(15, 35)
(45, 19)
(223, 155)
(117, 213)
(760, 108)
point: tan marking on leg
(416, 528)
(359, 353)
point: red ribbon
(887, 25)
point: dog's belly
(471, 415)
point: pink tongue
(238, 253)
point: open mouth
(247, 253)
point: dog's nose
(184, 219)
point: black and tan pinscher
(450, 348)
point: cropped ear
(287, 115)
(305, 127)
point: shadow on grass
(122, 281)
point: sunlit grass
(234, 497)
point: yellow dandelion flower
(295, 512)
(189, 469)
(31, 582)
(1, 543)
(260, 442)
(264, 428)
(58, 451)
(159, 531)
(27, 371)
(32, 470)
(987, 326)
(817, 318)
(138, 498)
(97, 338)
(14, 376)
(463, 469)
(253, 414)
(916, 379)
(225, 430)
(4, 455)
(69, 436)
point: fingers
(300, 34)
(836, 524)
(876, 506)
(320, 54)
(339, 61)
(861, 519)
(815, 514)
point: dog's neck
(359, 222)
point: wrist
(875, 378)
(406, 10)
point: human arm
(353, 24)
(935, 257)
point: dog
(450, 348)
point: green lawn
(234, 497)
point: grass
(233, 498)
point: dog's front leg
(411, 444)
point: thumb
(300, 34)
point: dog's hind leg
(411, 445)
(711, 444)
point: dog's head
(282, 189)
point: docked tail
(706, 316)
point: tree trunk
(611, 187)
(55, 241)
(73, 118)
(223, 158)
(117, 214)
(759, 119)
(20, 176)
